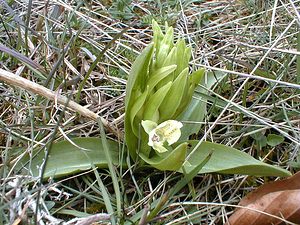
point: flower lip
(168, 131)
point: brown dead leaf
(291, 183)
(272, 203)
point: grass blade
(111, 169)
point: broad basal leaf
(65, 158)
(228, 160)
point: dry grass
(54, 44)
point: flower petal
(171, 139)
(152, 138)
(158, 146)
(170, 124)
(170, 130)
(148, 125)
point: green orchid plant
(159, 89)
(158, 99)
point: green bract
(159, 89)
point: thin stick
(28, 85)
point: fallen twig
(28, 85)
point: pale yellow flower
(168, 131)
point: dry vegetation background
(55, 43)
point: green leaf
(180, 47)
(138, 70)
(140, 101)
(136, 75)
(171, 58)
(274, 139)
(165, 47)
(189, 176)
(106, 198)
(172, 100)
(171, 160)
(166, 198)
(187, 56)
(65, 158)
(151, 108)
(73, 212)
(159, 75)
(197, 76)
(157, 33)
(196, 109)
(228, 160)
(108, 156)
